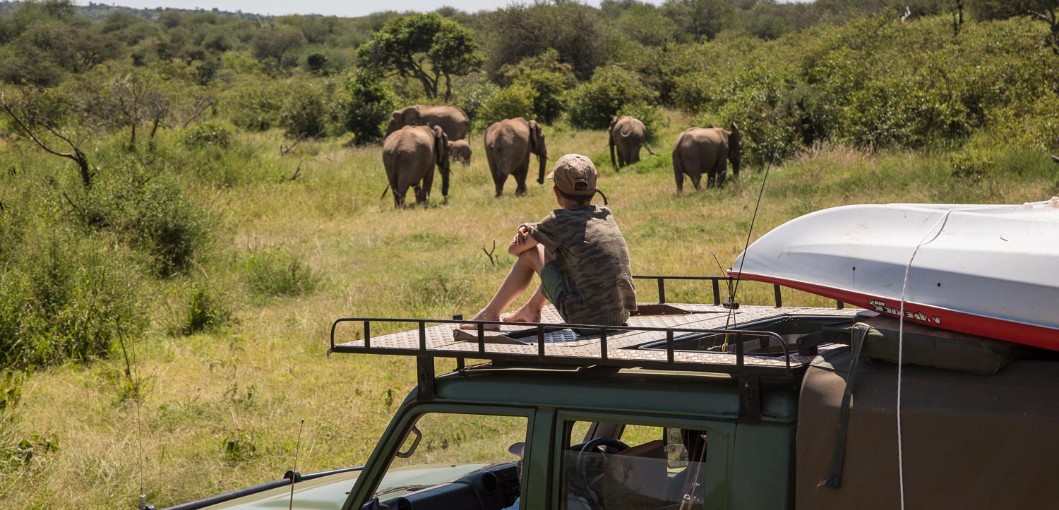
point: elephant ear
(535, 136)
(441, 144)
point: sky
(343, 8)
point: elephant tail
(384, 191)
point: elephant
(508, 145)
(706, 151)
(627, 134)
(450, 118)
(409, 155)
(460, 150)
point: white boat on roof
(988, 270)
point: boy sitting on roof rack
(578, 252)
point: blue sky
(344, 8)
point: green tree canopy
(425, 47)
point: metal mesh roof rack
(747, 342)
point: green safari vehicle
(696, 406)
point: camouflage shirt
(592, 257)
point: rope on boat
(932, 234)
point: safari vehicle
(697, 406)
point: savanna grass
(226, 408)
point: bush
(305, 113)
(367, 108)
(594, 104)
(507, 103)
(547, 77)
(474, 98)
(256, 106)
(66, 297)
(272, 273)
(207, 134)
(205, 312)
(154, 216)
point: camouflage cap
(574, 174)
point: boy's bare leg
(515, 283)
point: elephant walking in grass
(410, 155)
(450, 118)
(627, 135)
(508, 145)
(706, 151)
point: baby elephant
(460, 150)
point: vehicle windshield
(445, 448)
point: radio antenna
(733, 289)
(294, 475)
(136, 409)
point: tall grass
(301, 238)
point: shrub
(474, 98)
(256, 106)
(366, 109)
(305, 113)
(207, 134)
(66, 296)
(547, 77)
(154, 215)
(273, 273)
(594, 104)
(507, 103)
(205, 312)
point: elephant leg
(498, 178)
(428, 183)
(399, 192)
(722, 173)
(520, 178)
(678, 171)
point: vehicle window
(628, 467)
(446, 459)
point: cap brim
(551, 175)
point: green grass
(222, 408)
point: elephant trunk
(444, 168)
(613, 162)
(543, 160)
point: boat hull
(987, 270)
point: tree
(129, 101)
(576, 31)
(1040, 10)
(424, 47)
(38, 115)
(700, 19)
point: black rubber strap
(857, 335)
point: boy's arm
(522, 241)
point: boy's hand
(522, 233)
(522, 240)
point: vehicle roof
(634, 391)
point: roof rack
(738, 341)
